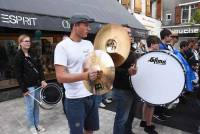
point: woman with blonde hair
(30, 76)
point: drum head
(160, 78)
(51, 94)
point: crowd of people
(81, 106)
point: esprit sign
(17, 19)
(186, 30)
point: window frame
(185, 21)
(168, 14)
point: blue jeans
(82, 114)
(32, 107)
(123, 99)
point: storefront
(185, 31)
(47, 27)
(151, 24)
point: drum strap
(31, 65)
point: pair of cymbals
(112, 43)
(115, 40)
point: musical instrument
(115, 40)
(49, 96)
(102, 62)
(160, 78)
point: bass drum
(50, 96)
(160, 78)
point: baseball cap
(81, 18)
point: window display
(44, 48)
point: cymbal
(115, 40)
(101, 61)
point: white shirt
(72, 55)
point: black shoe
(144, 124)
(160, 117)
(150, 130)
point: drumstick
(34, 98)
(36, 89)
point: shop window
(43, 48)
(8, 49)
(48, 54)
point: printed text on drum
(155, 60)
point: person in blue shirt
(166, 37)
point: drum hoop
(167, 52)
(51, 103)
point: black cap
(80, 18)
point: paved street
(13, 122)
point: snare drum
(160, 78)
(50, 96)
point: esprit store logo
(155, 60)
(66, 24)
(16, 19)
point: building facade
(177, 16)
(148, 12)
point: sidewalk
(13, 121)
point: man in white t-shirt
(80, 105)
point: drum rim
(171, 54)
(51, 103)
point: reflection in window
(8, 49)
(48, 56)
(193, 10)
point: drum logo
(155, 60)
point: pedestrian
(30, 76)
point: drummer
(80, 105)
(148, 110)
(160, 112)
(122, 91)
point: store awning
(54, 14)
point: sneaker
(102, 105)
(144, 124)
(108, 101)
(160, 117)
(33, 130)
(41, 128)
(150, 130)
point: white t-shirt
(72, 55)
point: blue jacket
(189, 74)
